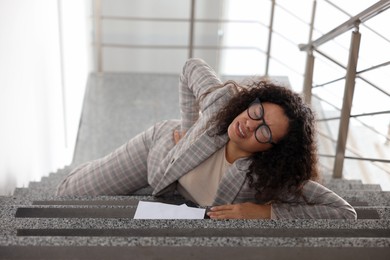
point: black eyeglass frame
(264, 124)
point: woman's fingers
(223, 207)
(221, 212)
(246, 210)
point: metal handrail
(357, 73)
(369, 28)
(201, 47)
(198, 20)
(357, 115)
(374, 67)
(364, 124)
(350, 157)
(348, 25)
(354, 116)
(357, 158)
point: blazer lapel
(195, 154)
(231, 182)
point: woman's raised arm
(196, 79)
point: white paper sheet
(157, 210)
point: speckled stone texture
(102, 227)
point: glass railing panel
(303, 11)
(206, 9)
(351, 7)
(242, 62)
(327, 135)
(237, 34)
(327, 18)
(290, 27)
(142, 8)
(281, 68)
(144, 60)
(374, 49)
(380, 23)
(368, 99)
(379, 77)
(363, 142)
(211, 56)
(338, 49)
(367, 171)
(368, 134)
(329, 129)
(145, 32)
(243, 9)
(293, 66)
(326, 71)
(206, 34)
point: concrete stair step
(97, 208)
(28, 235)
(358, 198)
(364, 209)
(372, 198)
(108, 226)
(198, 232)
(128, 212)
(358, 187)
(382, 211)
(165, 248)
(47, 186)
(329, 179)
(50, 188)
(53, 183)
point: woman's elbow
(62, 189)
(349, 213)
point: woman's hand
(247, 210)
(177, 135)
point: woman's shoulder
(220, 95)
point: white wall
(43, 74)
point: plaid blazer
(153, 158)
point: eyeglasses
(263, 133)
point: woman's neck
(233, 153)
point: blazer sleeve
(196, 79)
(321, 203)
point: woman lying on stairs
(247, 151)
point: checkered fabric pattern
(152, 158)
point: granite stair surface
(37, 224)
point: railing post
(313, 16)
(309, 69)
(98, 35)
(347, 103)
(192, 26)
(270, 31)
(308, 80)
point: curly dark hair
(284, 168)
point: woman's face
(242, 130)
